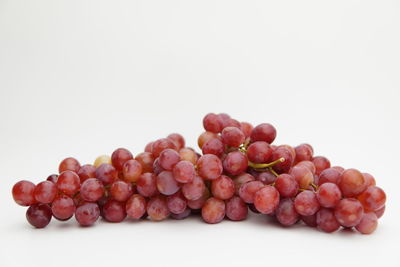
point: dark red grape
(114, 211)
(263, 132)
(352, 183)
(176, 203)
(39, 215)
(259, 152)
(326, 220)
(92, 190)
(160, 145)
(194, 189)
(304, 152)
(248, 190)
(329, 195)
(213, 123)
(68, 182)
(242, 179)
(87, 213)
(232, 136)
(286, 185)
(69, 164)
(87, 171)
(214, 146)
(306, 203)
(321, 164)
(368, 223)
(168, 159)
(373, 198)
(330, 175)
(23, 193)
(63, 207)
(106, 173)
(45, 192)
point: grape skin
(349, 212)
(166, 184)
(195, 189)
(352, 183)
(329, 195)
(242, 179)
(282, 152)
(330, 175)
(286, 213)
(69, 164)
(213, 123)
(102, 159)
(131, 170)
(286, 185)
(321, 164)
(168, 159)
(114, 211)
(92, 190)
(209, 166)
(248, 190)
(157, 208)
(160, 145)
(213, 146)
(87, 171)
(259, 152)
(63, 207)
(198, 203)
(68, 182)
(304, 152)
(326, 220)
(45, 192)
(306, 203)
(368, 223)
(147, 185)
(373, 198)
(177, 139)
(232, 136)
(135, 206)
(181, 215)
(303, 176)
(176, 203)
(184, 172)
(188, 154)
(121, 191)
(263, 132)
(146, 159)
(204, 137)
(106, 173)
(235, 163)
(266, 177)
(119, 157)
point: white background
(81, 78)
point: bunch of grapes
(239, 169)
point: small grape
(213, 210)
(263, 132)
(194, 189)
(147, 185)
(121, 191)
(213, 123)
(119, 157)
(131, 170)
(68, 182)
(209, 166)
(242, 179)
(157, 208)
(330, 175)
(329, 195)
(188, 154)
(39, 215)
(308, 164)
(87, 214)
(177, 139)
(87, 171)
(286, 213)
(302, 175)
(369, 179)
(248, 190)
(373, 198)
(204, 137)
(259, 152)
(149, 147)
(232, 136)
(223, 187)
(106, 173)
(236, 209)
(368, 223)
(169, 158)
(184, 172)
(52, 178)
(136, 206)
(379, 212)
(166, 183)
(306, 203)
(349, 212)
(266, 199)
(326, 220)
(114, 211)
(146, 159)
(176, 203)
(266, 177)
(246, 128)
(198, 203)
(282, 152)
(304, 152)
(181, 215)
(352, 183)
(235, 163)
(45, 192)
(321, 163)
(310, 220)
(69, 164)
(92, 190)
(213, 146)
(23, 193)
(160, 145)
(63, 207)
(286, 185)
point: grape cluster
(239, 169)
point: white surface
(81, 78)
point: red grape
(157, 208)
(119, 157)
(136, 206)
(63, 207)
(286, 213)
(259, 152)
(223, 187)
(114, 211)
(349, 212)
(306, 203)
(303, 176)
(330, 175)
(68, 182)
(368, 223)
(329, 195)
(308, 164)
(204, 137)
(209, 166)
(52, 178)
(87, 213)
(177, 139)
(39, 215)
(69, 164)
(321, 163)
(263, 132)
(160, 145)
(266, 199)
(369, 179)
(146, 159)
(232, 136)
(149, 147)
(373, 198)
(176, 203)
(304, 152)
(92, 190)
(45, 192)
(181, 215)
(184, 172)
(352, 183)
(166, 183)
(168, 159)
(236, 209)
(235, 163)
(286, 185)
(23, 193)
(131, 170)
(310, 220)
(246, 128)
(214, 146)
(87, 171)
(188, 154)
(248, 190)
(242, 179)
(326, 220)
(147, 185)
(213, 123)
(284, 153)
(213, 210)
(266, 177)
(379, 212)
(194, 189)
(121, 190)
(106, 173)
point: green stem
(265, 165)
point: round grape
(23, 193)
(39, 215)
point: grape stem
(314, 186)
(265, 165)
(273, 172)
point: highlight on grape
(239, 169)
